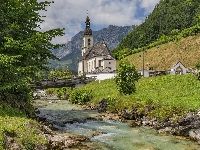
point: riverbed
(107, 135)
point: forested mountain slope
(168, 17)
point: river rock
(39, 146)
(37, 111)
(10, 142)
(166, 130)
(187, 119)
(195, 134)
(102, 107)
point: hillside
(164, 56)
(17, 131)
(157, 92)
(70, 53)
(168, 18)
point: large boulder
(102, 107)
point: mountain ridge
(71, 52)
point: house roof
(99, 49)
(177, 64)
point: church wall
(98, 60)
(85, 69)
(80, 70)
(82, 67)
(93, 63)
(109, 63)
(85, 45)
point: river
(107, 135)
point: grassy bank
(169, 95)
(16, 125)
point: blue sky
(71, 15)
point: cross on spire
(87, 30)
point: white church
(96, 60)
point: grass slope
(169, 95)
(16, 125)
(165, 56)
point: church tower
(87, 38)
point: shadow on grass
(6, 110)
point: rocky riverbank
(188, 126)
(58, 139)
(62, 140)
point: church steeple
(87, 37)
(87, 30)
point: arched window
(179, 70)
(89, 41)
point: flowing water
(108, 135)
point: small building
(96, 59)
(152, 73)
(178, 68)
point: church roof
(87, 31)
(99, 49)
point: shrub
(80, 96)
(111, 103)
(126, 77)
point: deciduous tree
(24, 49)
(126, 77)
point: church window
(109, 62)
(89, 41)
(99, 63)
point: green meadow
(170, 96)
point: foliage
(126, 77)
(23, 47)
(171, 95)
(80, 96)
(166, 19)
(60, 73)
(112, 103)
(19, 97)
(63, 93)
(24, 50)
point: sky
(71, 15)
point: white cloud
(148, 5)
(71, 14)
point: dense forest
(169, 17)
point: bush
(80, 96)
(18, 97)
(126, 77)
(111, 103)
